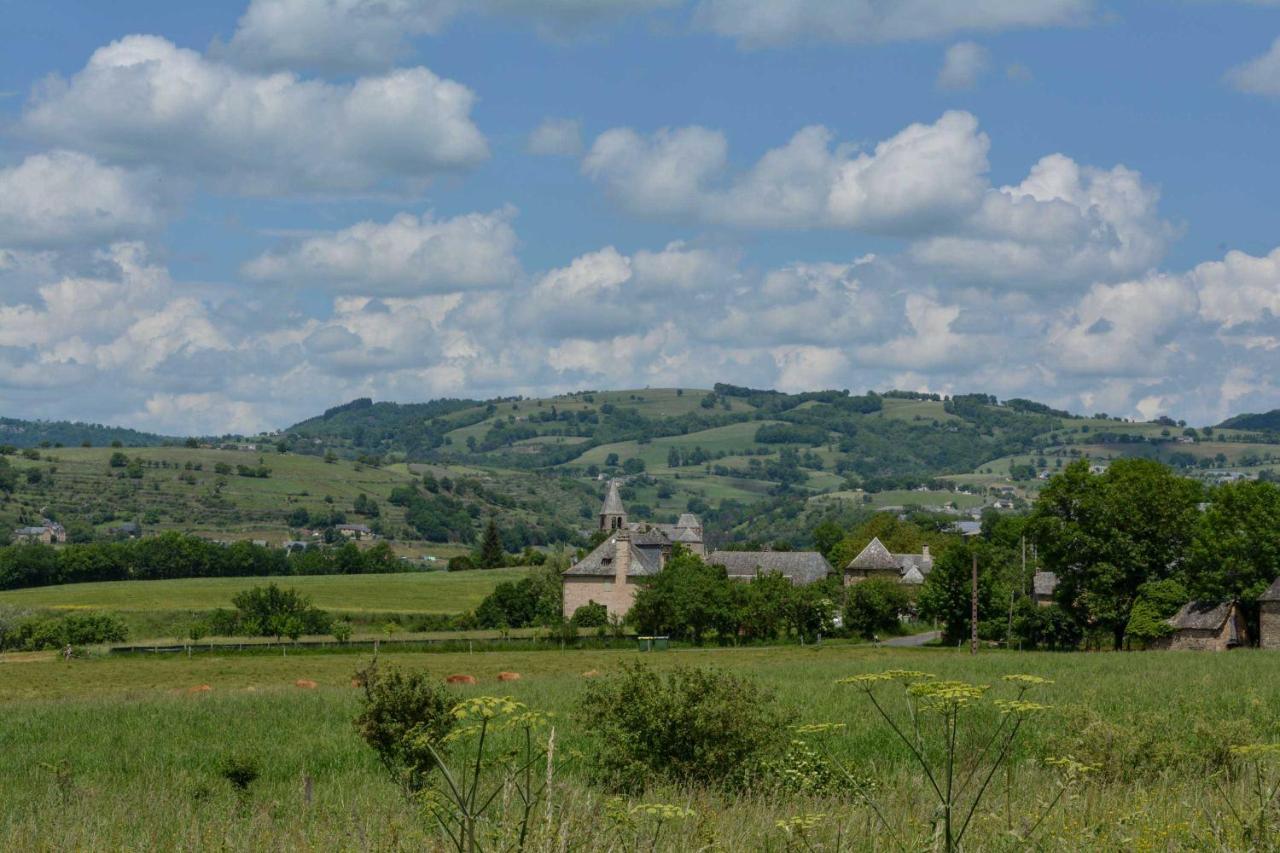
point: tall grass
(115, 754)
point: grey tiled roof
(1202, 615)
(1272, 593)
(875, 557)
(645, 561)
(688, 519)
(802, 567)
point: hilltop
(20, 433)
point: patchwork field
(86, 744)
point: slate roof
(802, 567)
(913, 576)
(1202, 615)
(685, 534)
(612, 501)
(968, 528)
(688, 519)
(875, 557)
(645, 561)
(917, 563)
(1272, 593)
(1044, 583)
(29, 531)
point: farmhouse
(354, 531)
(1269, 618)
(1206, 626)
(47, 532)
(1042, 586)
(875, 561)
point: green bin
(650, 644)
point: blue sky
(228, 216)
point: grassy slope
(130, 735)
(416, 592)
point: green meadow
(118, 753)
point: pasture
(117, 753)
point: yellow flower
(662, 811)
(800, 823)
(1018, 706)
(1027, 680)
(817, 728)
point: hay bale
(199, 688)
(508, 676)
(460, 679)
(305, 684)
(591, 673)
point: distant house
(46, 532)
(126, 530)
(967, 528)
(354, 531)
(1269, 618)
(875, 561)
(799, 567)
(1206, 626)
(1042, 586)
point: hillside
(1266, 421)
(20, 433)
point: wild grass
(114, 753)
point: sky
(229, 216)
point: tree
(874, 606)
(1235, 552)
(118, 460)
(947, 591)
(1105, 535)
(687, 598)
(1156, 602)
(269, 611)
(591, 615)
(491, 554)
(826, 536)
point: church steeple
(613, 515)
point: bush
(591, 615)
(399, 713)
(269, 611)
(77, 629)
(688, 726)
(874, 605)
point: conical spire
(613, 515)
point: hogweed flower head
(817, 728)
(1027, 680)
(800, 823)
(946, 695)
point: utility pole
(973, 609)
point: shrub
(400, 713)
(874, 605)
(689, 726)
(77, 629)
(591, 615)
(266, 611)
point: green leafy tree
(1235, 552)
(687, 598)
(269, 611)
(1156, 602)
(947, 591)
(874, 605)
(1105, 535)
(826, 536)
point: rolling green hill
(20, 433)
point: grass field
(114, 753)
(409, 592)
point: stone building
(1206, 626)
(799, 567)
(876, 561)
(1269, 617)
(1043, 585)
(610, 574)
(47, 532)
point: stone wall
(1270, 625)
(581, 589)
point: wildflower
(487, 707)
(662, 811)
(947, 695)
(1019, 706)
(817, 728)
(1027, 680)
(800, 824)
(1071, 768)
(1256, 751)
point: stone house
(1042, 586)
(1269, 617)
(46, 532)
(354, 531)
(876, 561)
(1206, 626)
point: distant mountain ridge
(1264, 421)
(23, 433)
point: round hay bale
(460, 679)
(305, 684)
(199, 688)
(591, 673)
(508, 676)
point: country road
(914, 639)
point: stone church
(608, 575)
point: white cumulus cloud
(144, 100)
